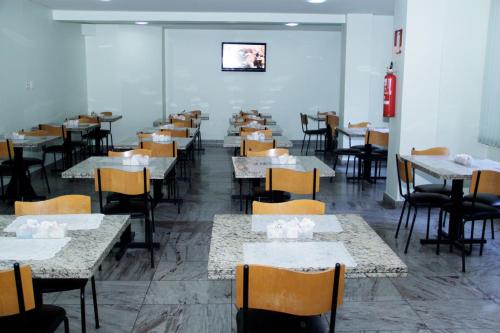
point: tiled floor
(176, 295)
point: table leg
(19, 187)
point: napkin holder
(293, 229)
(284, 160)
(72, 123)
(136, 160)
(161, 138)
(256, 136)
(17, 136)
(167, 126)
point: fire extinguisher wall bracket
(390, 94)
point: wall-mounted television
(244, 57)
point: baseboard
(391, 202)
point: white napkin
(161, 138)
(43, 229)
(17, 136)
(72, 221)
(167, 126)
(254, 124)
(12, 248)
(463, 159)
(136, 160)
(179, 117)
(284, 160)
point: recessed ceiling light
(291, 24)
(105, 0)
(141, 23)
(316, 1)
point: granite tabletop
(235, 130)
(161, 121)
(34, 142)
(81, 127)
(443, 167)
(150, 130)
(133, 143)
(109, 119)
(81, 257)
(234, 141)
(357, 132)
(262, 115)
(374, 258)
(159, 167)
(255, 167)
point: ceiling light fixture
(141, 23)
(316, 1)
(291, 24)
(105, 0)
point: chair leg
(303, 141)
(44, 174)
(411, 230)
(407, 218)
(482, 238)
(82, 309)
(462, 235)
(94, 299)
(308, 143)
(440, 230)
(428, 223)
(66, 325)
(492, 225)
(400, 219)
(347, 166)
(471, 236)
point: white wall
(442, 68)
(303, 75)
(50, 54)
(124, 74)
(367, 53)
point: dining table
(243, 239)
(445, 168)
(193, 131)
(251, 168)
(19, 187)
(75, 263)
(234, 141)
(134, 143)
(233, 121)
(276, 129)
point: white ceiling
(260, 6)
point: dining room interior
(261, 166)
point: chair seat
(485, 198)
(478, 211)
(29, 161)
(54, 149)
(45, 319)
(434, 188)
(268, 196)
(125, 207)
(267, 321)
(428, 199)
(346, 151)
(319, 131)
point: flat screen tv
(244, 57)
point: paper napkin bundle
(256, 136)
(284, 160)
(17, 136)
(161, 138)
(44, 229)
(136, 160)
(463, 159)
(292, 229)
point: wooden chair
(294, 207)
(251, 145)
(195, 113)
(107, 113)
(304, 121)
(134, 199)
(129, 153)
(268, 153)
(97, 134)
(415, 200)
(362, 124)
(160, 149)
(432, 188)
(17, 305)
(247, 121)
(332, 123)
(271, 299)
(7, 153)
(373, 151)
(188, 123)
(174, 133)
(59, 131)
(66, 204)
(244, 132)
(471, 209)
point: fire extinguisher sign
(398, 41)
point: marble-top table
(360, 132)
(83, 128)
(443, 167)
(151, 130)
(374, 258)
(235, 130)
(133, 143)
(234, 141)
(81, 257)
(161, 121)
(269, 121)
(262, 115)
(159, 166)
(255, 167)
(103, 118)
(33, 142)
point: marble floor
(176, 295)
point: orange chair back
(9, 301)
(66, 204)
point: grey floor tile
(458, 313)
(189, 292)
(202, 318)
(376, 289)
(109, 292)
(181, 271)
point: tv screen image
(244, 57)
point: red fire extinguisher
(390, 93)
